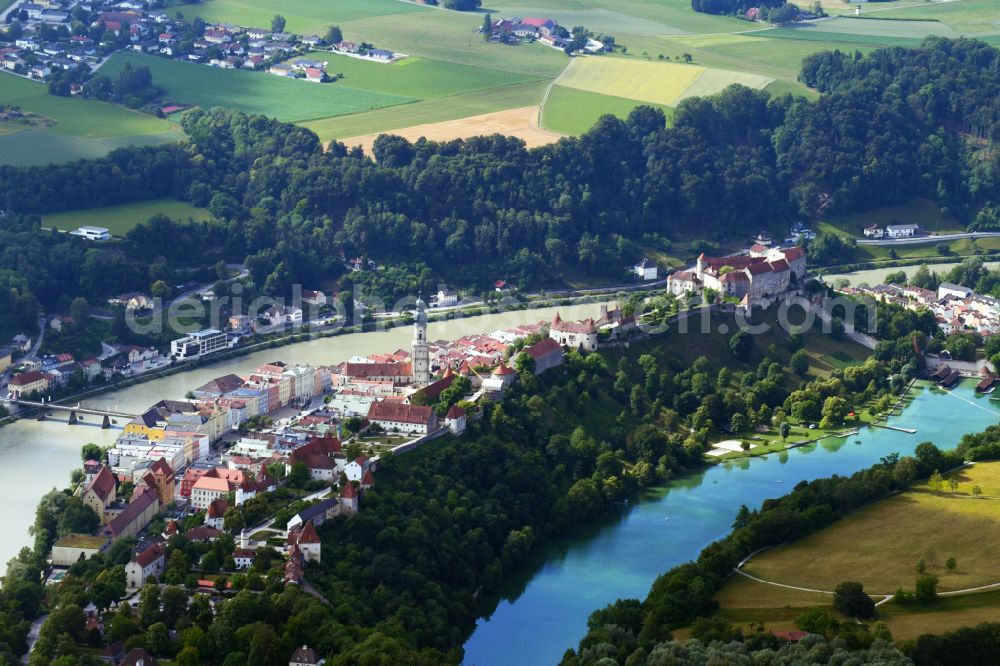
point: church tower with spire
(420, 354)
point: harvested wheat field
(522, 123)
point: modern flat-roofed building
(67, 551)
(92, 233)
(198, 344)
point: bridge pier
(72, 417)
(106, 423)
(41, 415)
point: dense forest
(893, 125)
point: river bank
(543, 608)
(592, 296)
(39, 455)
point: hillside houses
(956, 308)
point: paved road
(36, 627)
(923, 240)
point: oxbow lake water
(36, 456)
(542, 610)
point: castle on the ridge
(761, 273)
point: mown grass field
(301, 15)
(572, 111)
(77, 117)
(451, 37)
(254, 92)
(416, 77)
(675, 15)
(80, 128)
(969, 17)
(850, 27)
(429, 111)
(654, 82)
(880, 545)
(119, 220)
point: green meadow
(572, 111)
(303, 16)
(119, 220)
(416, 77)
(283, 98)
(429, 111)
(75, 128)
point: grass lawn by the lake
(572, 111)
(420, 78)
(429, 111)
(302, 16)
(120, 219)
(880, 545)
(253, 92)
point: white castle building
(762, 273)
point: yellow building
(100, 493)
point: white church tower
(420, 355)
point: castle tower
(420, 355)
(701, 266)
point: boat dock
(909, 431)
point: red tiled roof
(161, 467)
(150, 555)
(780, 266)
(103, 482)
(349, 491)
(398, 412)
(203, 533)
(504, 370)
(243, 553)
(433, 391)
(377, 369)
(308, 534)
(585, 326)
(29, 377)
(367, 480)
(543, 347)
(793, 253)
(218, 508)
(131, 512)
(455, 412)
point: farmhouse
(902, 230)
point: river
(542, 609)
(39, 455)
(874, 276)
